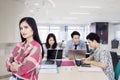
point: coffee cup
(78, 62)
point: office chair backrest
(114, 59)
(117, 71)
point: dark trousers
(17, 77)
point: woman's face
(51, 41)
(25, 30)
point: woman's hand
(14, 66)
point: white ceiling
(72, 11)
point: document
(49, 69)
(97, 69)
(48, 66)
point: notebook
(91, 69)
(68, 63)
(76, 54)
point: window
(62, 32)
(83, 30)
(117, 35)
(45, 30)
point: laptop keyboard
(49, 62)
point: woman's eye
(26, 27)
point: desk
(72, 73)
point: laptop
(53, 54)
(76, 54)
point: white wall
(9, 18)
(111, 36)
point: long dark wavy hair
(31, 22)
(47, 41)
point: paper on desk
(49, 69)
(48, 66)
(97, 69)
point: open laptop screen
(54, 53)
(76, 54)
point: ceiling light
(31, 11)
(69, 18)
(52, 2)
(79, 13)
(97, 7)
(36, 4)
(115, 21)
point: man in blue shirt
(75, 43)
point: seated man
(100, 56)
(75, 43)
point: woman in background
(25, 60)
(51, 42)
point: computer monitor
(76, 54)
(53, 54)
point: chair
(114, 59)
(117, 71)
